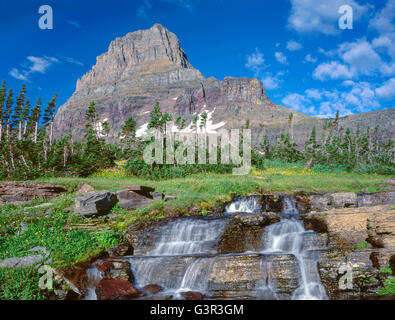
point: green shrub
(20, 284)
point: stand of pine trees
(337, 150)
(28, 148)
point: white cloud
(360, 56)
(387, 90)
(256, 62)
(292, 45)
(297, 102)
(313, 93)
(19, 76)
(309, 16)
(359, 97)
(73, 61)
(357, 58)
(280, 57)
(271, 82)
(74, 23)
(332, 70)
(383, 23)
(383, 20)
(34, 65)
(310, 58)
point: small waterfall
(197, 274)
(289, 206)
(249, 204)
(176, 261)
(265, 288)
(189, 236)
(184, 254)
(94, 276)
(289, 237)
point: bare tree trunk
(45, 151)
(1, 131)
(12, 158)
(35, 131)
(64, 156)
(20, 130)
(24, 161)
(51, 133)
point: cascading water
(185, 247)
(94, 276)
(290, 237)
(185, 255)
(248, 204)
(188, 236)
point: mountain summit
(140, 53)
(147, 66)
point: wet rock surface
(239, 268)
(116, 289)
(231, 275)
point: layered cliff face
(147, 66)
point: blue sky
(295, 47)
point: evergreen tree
(35, 118)
(156, 117)
(49, 114)
(7, 111)
(17, 115)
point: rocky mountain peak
(142, 52)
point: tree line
(30, 150)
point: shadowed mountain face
(149, 65)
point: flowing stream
(182, 257)
(290, 237)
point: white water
(94, 276)
(183, 257)
(197, 274)
(244, 204)
(180, 240)
(189, 236)
(289, 237)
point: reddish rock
(391, 182)
(76, 276)
(191, 295)
(103, 266)
(19, 192)
(116, 289)
(152, 288)
(130, 200)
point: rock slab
(96, 203)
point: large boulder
(135, 197)
(381, 229)
(116, 289)
(96, 203)
(346, 227)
